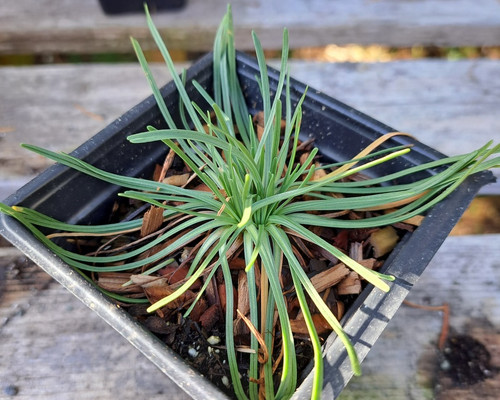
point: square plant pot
(339, 131)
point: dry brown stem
(445, 325)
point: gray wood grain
(69, 26)
(452, 106)
(52, 347)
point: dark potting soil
(203, 350)
(466, 361)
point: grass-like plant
(259, 197)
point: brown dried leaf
(335, 214)
(234, 247)
(292, 304)
(283, 125)
(302, 246)
(299, 257)
(175, 274)
(396, 203)
(90, 114)
(264, 353)
(7, 129)
(113, 281)
(147, 280)
(327, 255)
(164, 245)
(403, 226)
(176, 180)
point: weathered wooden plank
(465, 273)
(69, 26)
(53, 347)
(452, 106)
(59, 107)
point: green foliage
(258, 196)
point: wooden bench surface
(80, 26)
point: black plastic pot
(113, 7)
(339, 131)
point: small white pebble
(225, 381)
(210, 350)
(445, 365)
(185, 254)
(213, 340)
(192, 352)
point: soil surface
(466, 361)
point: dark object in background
(112, 7)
